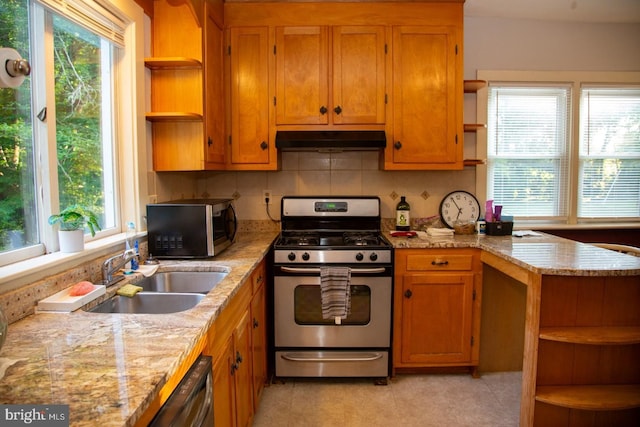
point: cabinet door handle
(209, 141)
(264, 145)
(323, 110)
(397, 145)
(439, 262)
(234, 368)
(255, 323)
(408, 293)
(338, 110)
(238, 357)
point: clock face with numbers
(459, 206)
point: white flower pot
(71, 241)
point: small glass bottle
(403, 217)
(129, 246)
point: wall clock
(459, 205)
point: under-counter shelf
(595, 335)
(612, 397)
(172, 63)
(174, 117)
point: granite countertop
(541, 254)
(108, 367)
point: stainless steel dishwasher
(191, 403)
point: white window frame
(576, 79)
(131, 157)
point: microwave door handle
(317, 270)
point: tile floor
(453, 400)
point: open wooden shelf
(172, 63)
(596, 335)
(474, 127)
(472, 86)
(591, 397)
(174, 117)
(473, 162)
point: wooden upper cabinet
(359, 64)
(427, 92)
(214, 91)
(302, 76)
(249, 99)
(330, 75)
(187, 102)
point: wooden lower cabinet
(232, 366)
(259, 335)
(224, 386)
(237, 342)
(437, 308)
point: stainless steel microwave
(194, 228)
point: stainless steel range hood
(330, 141)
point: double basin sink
(165, 292)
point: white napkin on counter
(147, 270)
(439, 232)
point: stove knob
(291, 256)
(359, 256)
(306, 256)
(373, 256)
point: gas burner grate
(360, 239)
(301, 239)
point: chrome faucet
(113, 264)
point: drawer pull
(408, 293)
(439, 262)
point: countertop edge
(544, 254)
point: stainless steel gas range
(343, 232)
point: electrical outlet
(266, 194)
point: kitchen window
(66, 129)
(562, 148)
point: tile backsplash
(21, 302)
(313, 173)
(308, 173)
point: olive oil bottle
(403, 217)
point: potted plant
(72, 221)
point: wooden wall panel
(502, 324)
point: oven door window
(308, 306)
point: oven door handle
(317, 270)
(298, 357)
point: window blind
(97, 16)
(528, 136)
(609, 152)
